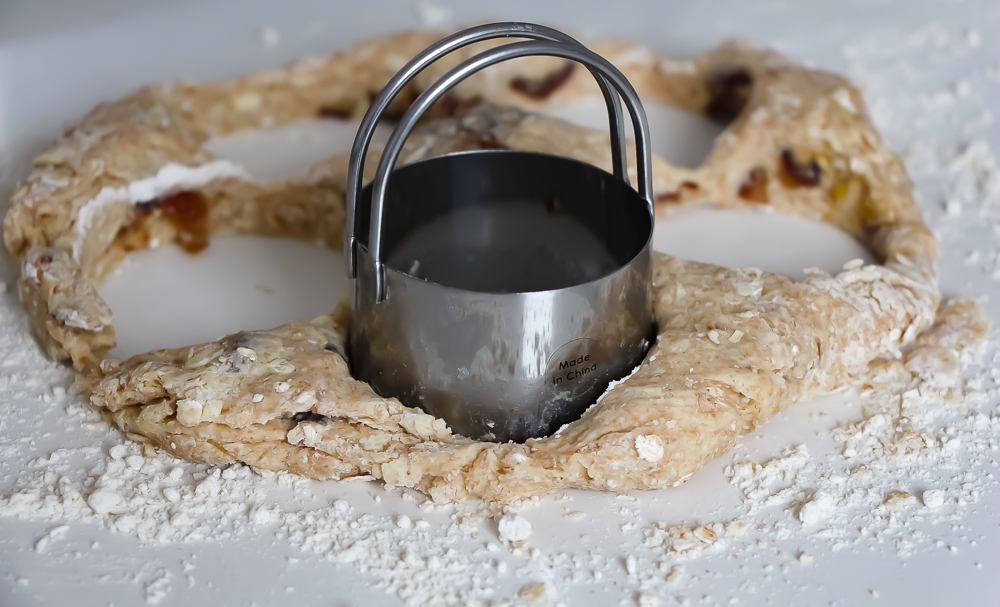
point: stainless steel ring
(434, 52)
(571, 51)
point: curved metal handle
(366, 130)
(575, 52)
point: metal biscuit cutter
(499, 290)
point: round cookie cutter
(500, 290)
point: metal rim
(574, 52)
(366, 130)
(646, 246)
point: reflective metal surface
(432, 53)
(502, 290)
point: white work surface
(930, 73)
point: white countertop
(929, 83)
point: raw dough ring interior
(734, 346)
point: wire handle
(567, 50)
(366, 130)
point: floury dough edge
(734, 348)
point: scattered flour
(54, 535)
(922, 430)
(649, 447)
(433, 15)
(156, 590)
(934, 498)
(817, 509)
(269, 36)
(514, 528)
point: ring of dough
(734, 346)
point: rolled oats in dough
(734, 346)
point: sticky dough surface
(734, 346)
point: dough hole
(166, 298)
(771, 241)
(678, 136)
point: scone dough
(734, 346)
